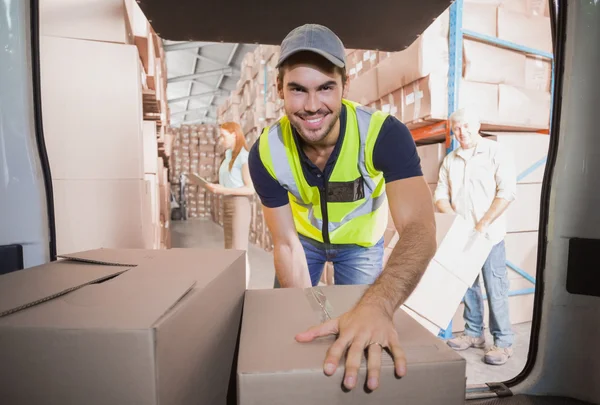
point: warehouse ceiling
(200, 77)
(205, 42)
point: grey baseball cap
(314, 38)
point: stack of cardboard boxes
(195, 152)
(167, 327)
(103, 123)
(509, 89)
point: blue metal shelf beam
(506, 44)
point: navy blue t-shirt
(394, 154)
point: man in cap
(325, 173)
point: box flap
(29, 287)
(267, 341)
(114, 257)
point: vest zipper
(325, 230)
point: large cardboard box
(363, 89)
(522, 107)
(529, 151)
(455, 266)
(531, 31)
(275, 369)
(106, 21)
(521, 251)
(92, 214)
(426, 100)
(392, 104)
(492, 64)
(479, 18)
(427, 55)
(431, 160)
(538, 73)
(523, 215)
(122, 327)
(150, 148)
(92, 110)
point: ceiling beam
(186, 45)
(220, 81)
(218, 92)
(214, 62)
(227, 71)
(204, 109)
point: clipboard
(197, 180)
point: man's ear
(346, 87)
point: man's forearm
(499, 205)
(290, 265)
(404, 269)
(444, 206)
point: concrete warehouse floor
(203, 233)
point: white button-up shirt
(471, 180)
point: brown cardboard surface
(274, 369)
(524, 107)
(491, 64)
(427, 55)
(480, 18)
(483, 97)
(426, 98)
(163, 331)
(363, 89)
(521, 250)
(531, 31)
(105, 20)
(392, 103)
(527, 149)
(150, 147)
(523, 215)
(91, 122)
(92, 214)
(538, 73)
(431, 160)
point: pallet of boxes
(108, 165)
(255, 104)
(510, 91)
(195, 152)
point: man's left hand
(366, 326)
(481, 227)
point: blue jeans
(352, 264)
(495, 280)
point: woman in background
(236, 186)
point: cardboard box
(529, 151)
(531, 31)
(455, 266)
(521, 251)
(426, 99)
(92, 214)
(522, 107)
(431, 160)
(92, 110)
(479, 18)
(527, 7)
(363, 89)
(427, 55)
(150, 147)
(274, 369)
(538, 73)
(523, 215)
(482, 97)
(122, 326)
(392, 104)
(105, 21)
(491, 64)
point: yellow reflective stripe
(264, 150)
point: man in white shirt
(478, 182)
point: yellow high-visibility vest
(352, 207)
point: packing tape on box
(319, 303)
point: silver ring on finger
(375, 343)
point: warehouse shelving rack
(441, 129)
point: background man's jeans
(352, 264)
(495, 279)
